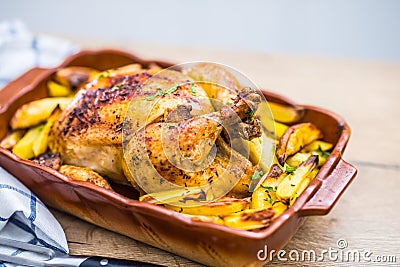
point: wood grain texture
(366, 94)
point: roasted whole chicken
(89, 132)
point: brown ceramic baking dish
(166, 229)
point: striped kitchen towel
(21, 50)
(25, 218)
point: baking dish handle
(331, 189)
(12, 89)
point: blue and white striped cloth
(23, 216)
(21, 50)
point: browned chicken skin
(89, 132)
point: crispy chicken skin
(89, 131)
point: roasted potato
(280, 129)
(302, 187)
(73, 77)
(23, 148)
(295, 138)
(40, 144)
(317, 146)
(85, 175)
(173, 196)
(313, 173)
(36, 112)
(58, 90)
(298, 159)
(264, 195)
(122, 70)
(261, 151)
(289, 186)
(244, 220)
(12, 139)
(220, 207)
(279, 208)
(285, 114)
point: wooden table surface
(366, 94)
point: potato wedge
(264, 195)
(260, 199)
(58, 90)
(270, 124)
(285, 113)
(173, 196)
(73, 77)
(244, 220)
(300, 157)
(220, 207)
(12, 139)
(271, 129)
(85, 175)
(291, 183)
(313, 174)
(36, 112)
(23, 148)
(295, 138)
(300, 190)
(249, 219)
(274, 177)
(297, 159)
(279, 208)
(40, 144)
(261, 151)
(280, 129)
(124, 70)
(317, 146)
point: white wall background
(360, 29)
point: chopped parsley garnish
(250, 113)
(104, 75)
(162, 93)
(172, 89)
(193, 89)
(268, 188)
(289, 169)
(117, 87)
(257, 175)
(269, 200)
(325, 154)
(40, 127)
(159, 93)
